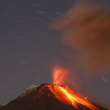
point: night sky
(29, 49)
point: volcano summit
(50, 97)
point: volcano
(50, 97)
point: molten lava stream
(70, 97)
(65, 94)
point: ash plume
(86, 28)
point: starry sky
(29, 49)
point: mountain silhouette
(46, 97)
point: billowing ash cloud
(86, 28)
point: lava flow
(65, 94)
(51, 97)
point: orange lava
(65, 94)
(59, 75)
(70, 97)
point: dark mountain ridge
(39, 97)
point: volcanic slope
(41, 97)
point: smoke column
(86, 28)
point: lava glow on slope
(65, 94)
(70, 97)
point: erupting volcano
(51, 97)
